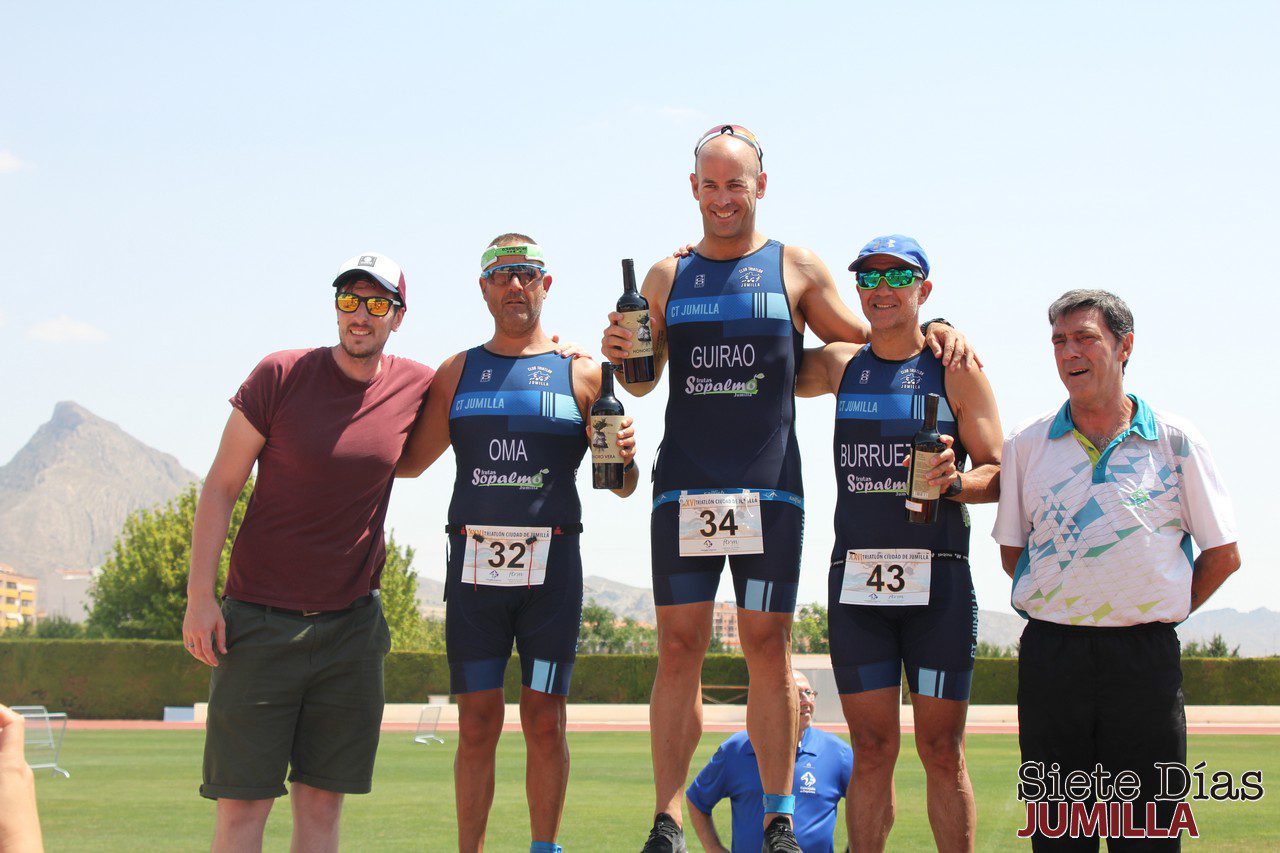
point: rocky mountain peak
(65, 495)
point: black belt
(362, 601)
(556, 530)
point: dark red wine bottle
(922, 498)
(606, 418)
(634, 309)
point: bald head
(726, 149)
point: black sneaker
(666, 836)
(778, 837)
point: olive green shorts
(301, 694)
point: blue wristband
(545, 847)
(779, 804)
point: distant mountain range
(64, 498)
(1257, 632)
(65, 495)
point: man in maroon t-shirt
(299, 639)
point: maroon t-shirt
(312, 534)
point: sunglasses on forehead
(377, 306)
(898, 278)
(737, 131)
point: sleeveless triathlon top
(733, 354)
(518, 438)
(879, 408)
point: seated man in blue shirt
(824, 763)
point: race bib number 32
(893, 577)
(506, 556)
(720, 524)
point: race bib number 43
(887, 577)
(720, 524)
(506, 556)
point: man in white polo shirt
(1099, 503)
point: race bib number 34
(506, 556)
(887, 577)
(720, 524)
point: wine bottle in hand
(634, 309)
(606, 418)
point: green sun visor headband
(531, 251)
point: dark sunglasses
(501, 275)
(871, 279)
(377, 306)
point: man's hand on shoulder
(570, 349)
(951, 347)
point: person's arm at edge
(586, 384)
(203, 628)
(705, 827)
(1211, 569)
(978, 422)
(19, 820)
(616, 343)
(430, 435)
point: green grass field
(137, 790)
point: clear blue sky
(177, 186)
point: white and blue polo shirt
(1108, 542)
(824, 764)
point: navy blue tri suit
(879, 408)
(730, 426)
(518, 438)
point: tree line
(141, 594)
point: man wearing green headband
(515, 412)
(729, 320)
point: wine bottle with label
(922, 498)
(606, 419)
(634, 309)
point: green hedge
(101, 679)
(135, 679)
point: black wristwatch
(630, 466)
(924, 327)
(956, 487)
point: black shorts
(870, 644)
(765, 582)
(481, 622)
(1109, 696)
(301, 694)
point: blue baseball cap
(894, 246)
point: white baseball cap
(378, 267)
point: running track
(514, 726)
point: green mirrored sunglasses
(871, 279)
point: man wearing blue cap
(900, 593)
